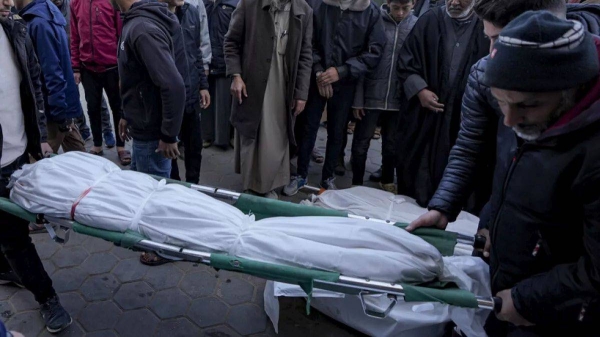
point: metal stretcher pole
(358, 284)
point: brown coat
(248, 49)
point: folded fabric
(98, 194)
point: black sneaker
(328, 184)
(376, 176)
(56, 317)
(10, 277)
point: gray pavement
(110, 293)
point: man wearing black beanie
(544, 219)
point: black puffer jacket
(545, 222)
(351, 40)
(480, 120)
(219, 16)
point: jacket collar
(296, 9)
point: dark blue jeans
(145, 159)
(337, 120)
(363, 133)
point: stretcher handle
(479, 242)
(497, 304)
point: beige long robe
(264, 162)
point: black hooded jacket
(152, 69)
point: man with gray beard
(434, 66)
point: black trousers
(363, 133)
(337, 120)
(191, 137)
(17, 251)
(94, 83)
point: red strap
(78, 201)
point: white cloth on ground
(125, 200)
(407, 319)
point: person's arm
(369, 58)
(34, 72)
(317, 65)
(153, 50)
(75, 38)
(305, 61)
(205, 46)
(232, 45)
(411, 66)
(539, 299)
(478, 123)
(359, 94)
(55, 83)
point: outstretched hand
(432, 218)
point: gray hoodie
(378, 90)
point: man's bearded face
(530, 114)
(458, 9)
(5, 6)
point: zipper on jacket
(387, 95)
(583, 311)
(538, 245)
(513, 164)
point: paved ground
(109, 293)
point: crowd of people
(489, 106)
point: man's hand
(124, 130)
(429, 100)
(204, 99)
(329, 76)
(77, 77)
(488, 243)
(46, 150)
(432, 218)
(170, 151)
(358, 113)
(238, 88)
(325, 90)
(298, 106)
(508, 312)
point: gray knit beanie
(538, 52)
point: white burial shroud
(96, 193)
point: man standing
(152, 86)
(545, 207)
(268, 54)
(482, 128)
(348, 43)
(20, 111)
(46, 26)
(65, 8)
(197, 96)
(377, 97)
(216, 128)
(95, 30)
(433, 67)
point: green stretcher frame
(262, 208)
(307, 279)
